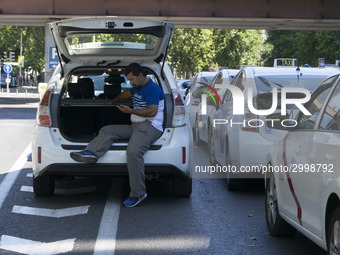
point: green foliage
(33, 44)
(306, 46)
(193, 50)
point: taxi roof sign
(285, 62)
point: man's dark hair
(135, 69)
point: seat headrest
(87, 87)
(83, 89)
(74, 90)
(114, 79)
(111, 91)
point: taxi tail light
(39, 155)
(250, 122)
(184, 155)
(44, 116)
(179, 116)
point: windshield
(265, 84)
(87, 43)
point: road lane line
(25, 246)
(106, 239)
(53, 213)
(12, 175)
(30, 175)
(27, 189)
(63, 191)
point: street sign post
(8, 69)
(53, 59)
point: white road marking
(64, 191)
(106, 239)
(74, 191)
(25, 246)
(54, 213)
(30, 175)
(26, 188)
(12, 175)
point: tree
(191, 50)
(306, 46)
(194, 50)
(33, 43)
(238, 47)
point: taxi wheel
(44, 185)
(197, 139)
(211, 145)
(333, 237)
(275, 224)
(233, 183)
(181, 186)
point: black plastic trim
(112, 148)
(108, 169)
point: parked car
(96, 50)
(3, 80)
(302, 181)
(203, 123)
(193, 101)
(183, 87)
(243, 140)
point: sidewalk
(25, 95)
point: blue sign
(8, 68)
(53, 59)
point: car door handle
(329, 157)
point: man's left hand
(124, 108)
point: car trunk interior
(82, 111)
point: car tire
(211, 145)
(233, 184)
(197, 139)
(276, 225)
(181, 186)
(44, 185)
(332, 238)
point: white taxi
(93, 54)
(303, 173)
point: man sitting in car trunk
(147, 126)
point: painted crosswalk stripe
(12, 175)
(26, 188)
(54, 213)
(29, 247)
(30, 175)
(63, 191)
(106, 239)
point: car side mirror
(185, 85)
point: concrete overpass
(242, 14)
(239, 14)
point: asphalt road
(85, 215)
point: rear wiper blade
(101, 63)
(114, 63)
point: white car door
(310, 153)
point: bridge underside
(241, 14)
